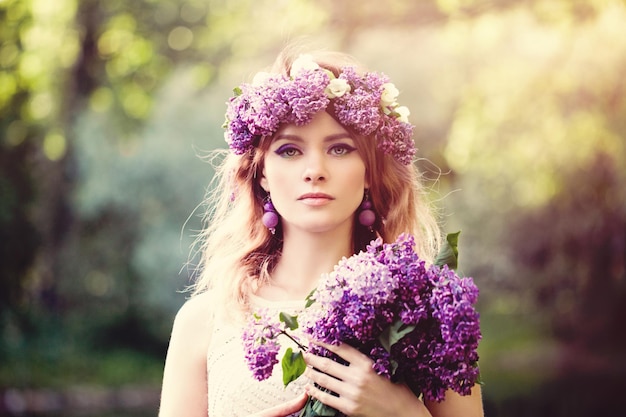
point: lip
(315, 199)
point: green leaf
(394, 366)
(479, 380)
(449, 253)
(315, 408)
(290, 321)
(309, 299)
(322, 410)
(392, 334)
(331, 75)
(293, 365)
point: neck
(305, 257)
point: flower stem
(300, 345)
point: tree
(571, 253)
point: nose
(315, 169)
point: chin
(322, 227)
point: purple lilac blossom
(385, 285)
(440, 353)
(360, 109)
(305, 95)
(355, 299)
(382, 361)
(395, 138)
(259, 110)
(260, 345)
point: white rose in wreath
(302, 63)
(337, 88)
(389, 95)
(403, 113)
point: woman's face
(315, 175)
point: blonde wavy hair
(238, 252)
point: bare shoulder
(197, 312)
(184, 390)
(193, 324)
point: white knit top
(233, 391)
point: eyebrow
(329, 138)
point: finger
(326, 365)
(347, 352)
(296, 404)
(284, 409)
(326, 381)
(326, 398)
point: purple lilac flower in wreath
(365, 103)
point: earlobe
(263, 183)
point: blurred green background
(107, 108)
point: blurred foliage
(572, 253)
(108, 106)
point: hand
(361, 391)
(284, 409)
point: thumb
(286, 408)
(293, 405)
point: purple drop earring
(270, 217)
(367, 217)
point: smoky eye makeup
(340, 149)
(287, 149)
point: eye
(341, 149)
(287, 151)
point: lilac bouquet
(416, 322)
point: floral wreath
(365, 103)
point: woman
(320, 164)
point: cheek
(278, 182)
(275, 177)
(359, 175)
(355, 180)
